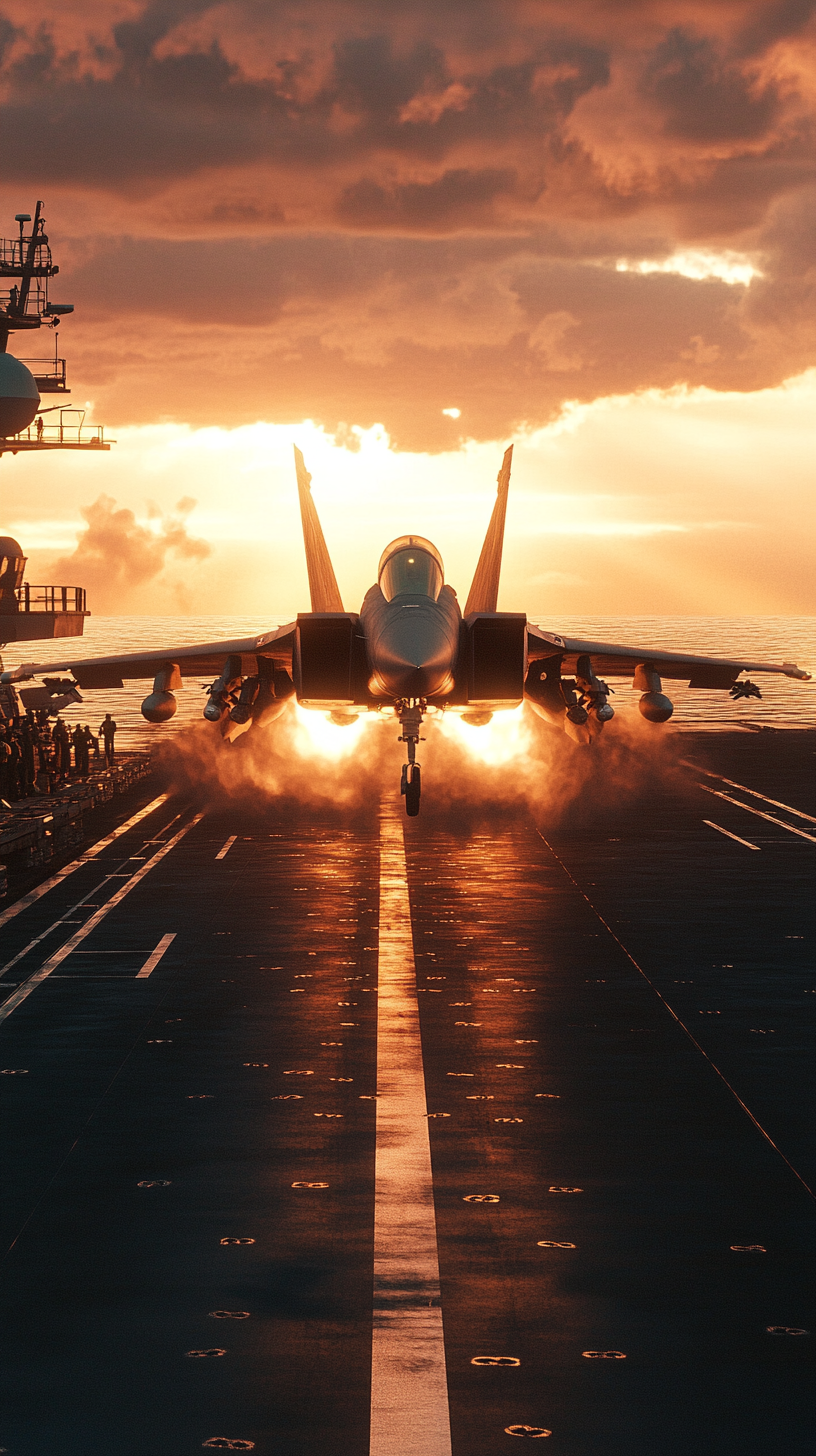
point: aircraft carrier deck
(579, 1209)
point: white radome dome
(19, 396)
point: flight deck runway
(552, 1182)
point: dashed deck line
(155, 956)
(25, 989)
(34, 895)
(729, 835)
(78, 905)
(760, 813)
(682, 1025)
(755, 794)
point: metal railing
(31, 598)
(71, 430)
(13, 253)
(49, 374)
(36, 303)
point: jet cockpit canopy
(410, 564)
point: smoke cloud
(547, 776)
(116, 555)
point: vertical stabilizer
(484, 591)
(323, 587)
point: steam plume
(558, 784)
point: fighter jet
(408, 650)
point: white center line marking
(227, 847)
(760, 814)
(727, 832)
(777, 803)
(155, 956)
(26, 987)
(409, 1390)
(34, 895)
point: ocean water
(785, 703)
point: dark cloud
(354, 211)
(421, 104)
(789, 237)
(371, 78)
(7, 35)
(206, 281)
(782, 305)
(102, 137)
(770, 23)
(702, 96)
(155, 117)
(393, 330)
(158, 102)
(136, 39)
(459, 196)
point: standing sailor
(108, 730)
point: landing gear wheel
(412, 789)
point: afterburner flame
(316, 735)
(505, 739)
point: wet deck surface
(151, 1122)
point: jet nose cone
(412, 645)
(407, 679)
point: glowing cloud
(728, 267)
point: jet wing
(611, 660)
(205, 659)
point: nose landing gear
(410, 716)
(411, 787)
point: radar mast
(30, 612)
(26, 269)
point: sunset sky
(402, 235)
